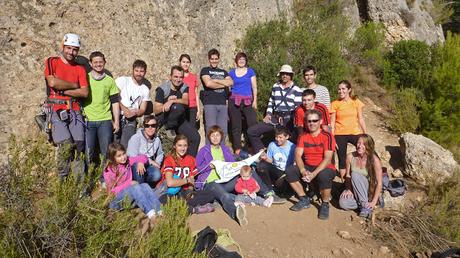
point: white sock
(151, 214)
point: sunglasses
(313, 121)
(150, 125)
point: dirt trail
(279, 232)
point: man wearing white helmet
(67, 84)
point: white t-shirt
(131, 94)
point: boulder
(425, 160)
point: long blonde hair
(369, 144)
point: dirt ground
(279, 232)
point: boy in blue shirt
(280, 154)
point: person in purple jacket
(224, 192)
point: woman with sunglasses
(146, 142)
(347, 121)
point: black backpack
(206, 241)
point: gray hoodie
(139, 144)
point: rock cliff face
(157, 31)
(403, 19)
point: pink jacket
(116, 185)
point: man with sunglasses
(313, 167)
(134, 95)
(146, 142)
(285, 97)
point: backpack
(206, 241)
(166, 87)
(395, 187)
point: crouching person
(363, 179)
(146, 142)
(313, 156)
(118, 178)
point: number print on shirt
(182, 172)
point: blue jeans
(141, 195)
(224, 197)
(151, 175)
(101, 132)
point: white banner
(228, 170)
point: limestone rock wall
(154, 30)
(403, 19)
(157, 31)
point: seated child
(280, 154)
(118, 179)
(246, 187)
(178, 179)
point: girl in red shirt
(178, 174)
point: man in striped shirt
(284, 99)
(322, 93)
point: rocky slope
(156, 31)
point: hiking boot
(241, 215)
(303, 203)
(171, 134)
(276, 198)
(324, 211)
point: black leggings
(236, 114)
(342, 141)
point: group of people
(93, 109)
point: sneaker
(200, 209)
(276, 198)
(241, 215)
(303, 203)
(365, 213)
(171, 134)
(324, 211)
(268, 202)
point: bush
(42, 217)
(441, 11)
(425, 226)
(440, 117)
(367, 47)
(404, 107)
(316, 36)
(408, 65)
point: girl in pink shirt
(118, 178)
(193, 89)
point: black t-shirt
(161, 98)
(213, 96)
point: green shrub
(367, 47)
(441, 11)
(316, 36)
(440, 118)
(404, 107)
(443, 206)
(408, 65)
(42, 217)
